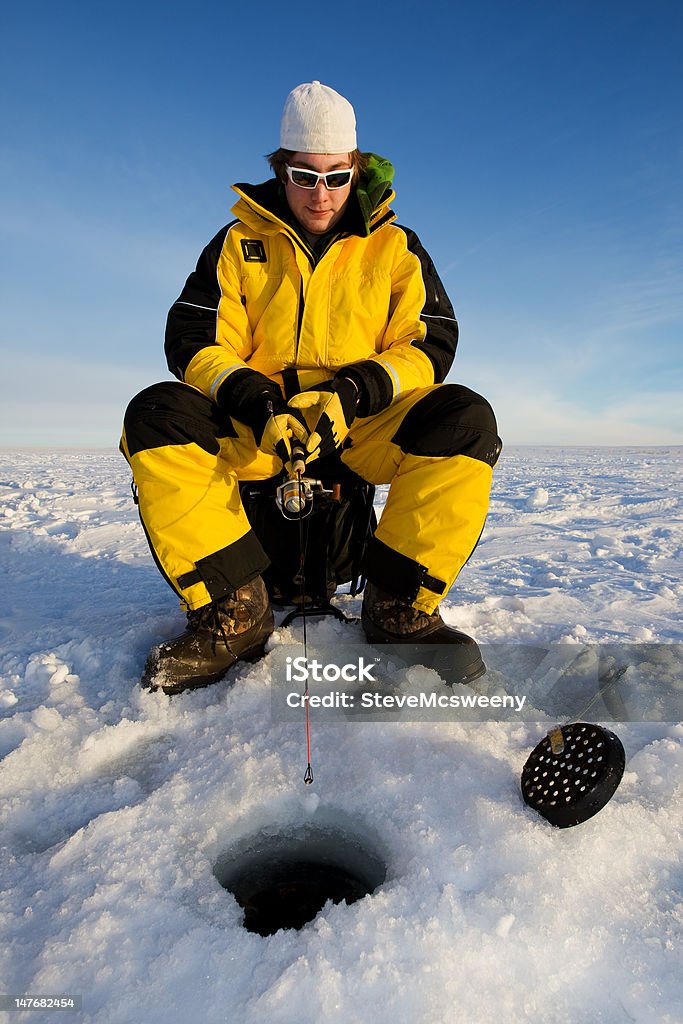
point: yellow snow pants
(435, 447)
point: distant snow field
(117, 804)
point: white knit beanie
(316, 119)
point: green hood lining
(373, 186)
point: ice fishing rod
(295, 500)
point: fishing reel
(295, 496)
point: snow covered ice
(117, 804)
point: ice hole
(284, 879)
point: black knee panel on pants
(451, 420)
(172, 413)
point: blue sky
(539, 155)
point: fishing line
(299, 499)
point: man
(312, 317)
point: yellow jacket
(261, 297)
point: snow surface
(117, 804)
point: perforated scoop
(569, 781)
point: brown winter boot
(217, 635)
(388, 620)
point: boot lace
(212, 617)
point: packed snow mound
(539, 499)
(119, 806)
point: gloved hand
(330, 410)
(280, 427)
(254, 399)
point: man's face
(318, 209)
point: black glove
(331, 409)
(256, 400)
